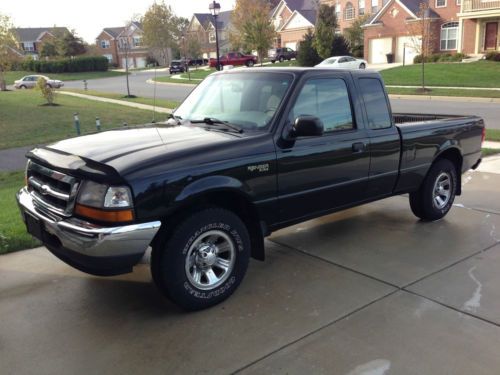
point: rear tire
(201, 261)
(250, 63)
(434, 198)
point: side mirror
(307, 126)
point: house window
(109, 57)
(440, 3)
(349, 11)
(137, 41)
(361, 6)
(338, 10)
(448, 40)
(374, 6)
(104, 44)
(459, 2)
(29, 46)
(211, 37)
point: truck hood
(126, 149)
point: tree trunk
(3, 84)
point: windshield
(329, 62)
(248, 99)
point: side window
(377, 109)
(327, 99)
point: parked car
(282, 54)
(342, 62)
(247, 153)
(29, 82)
(234, 58)
(178, 66)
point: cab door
(318, 174)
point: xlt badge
(259, 167)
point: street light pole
(215, 9)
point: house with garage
(31, 39)
(202, 27)
(467, 26)
(119, 44)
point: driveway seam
(315, 331)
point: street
(139, 87)
(370, 290)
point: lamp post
(215, 9)
(186, 65)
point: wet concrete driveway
(367, 291)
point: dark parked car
(247, 153)
(177, 66)
(282, 54)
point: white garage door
(378, 49)
(140, 62)
(292, 45)
(408, 46)
(130, 62)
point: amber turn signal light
(102, 215)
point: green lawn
(149, 101)
(490, 151)
(493, 135)
(198, 74)
(24, 121)
(196, 77)
(476, 74)
(13, 235)
(446, 92)
(285, 63)
(12, 76)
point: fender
(213, 184)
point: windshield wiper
(214, 121)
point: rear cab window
(376, 106)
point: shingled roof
(32, 34)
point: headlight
(105, 203)
(118, 197)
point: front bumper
(94, 249)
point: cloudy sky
(89, 17)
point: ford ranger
(248, 152)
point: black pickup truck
(247, 153)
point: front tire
(362, 66)
(250, 63)
(282, 59)
(434, 198)
(203, 260)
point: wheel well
(234, 202)
(454, 155)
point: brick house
(293, 18)
(470, 26)
(31, 39)
(202, 27)
(116, 43)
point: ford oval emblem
(44, 189)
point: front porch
(479, 26)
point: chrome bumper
(88, 239)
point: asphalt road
(490, 112)
(370, 290)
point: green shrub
(77, 64)
(306, 54)
(340, 46)
(47, 92)
(493, 56)
(358, 51)
(440, 57)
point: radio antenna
(154, 96)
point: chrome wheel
(210, 260)
(442, 190)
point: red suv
(234, 58)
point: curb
(445, 98)
(151, 82)
(146, 107)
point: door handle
(358, 147)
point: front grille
(51, 190)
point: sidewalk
(119, 102)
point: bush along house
(470, 27)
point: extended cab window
(327, 99)
(376, 106)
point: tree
(306, 54)
(161, 29)
(423, 36)
(70, 45)
(355, 35)
(340, 46)
(49, 49)
(47, 92)
(252, 27)
(8, 48)
(326, 23)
